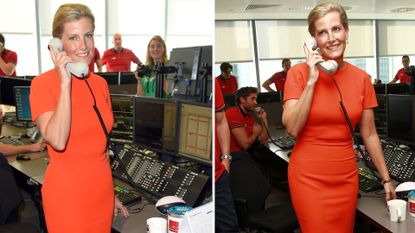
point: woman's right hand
(60, 60)
(312, 58)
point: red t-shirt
(228, 86)
(95, 57)
(236, 118)
(279, 80)
(119, 61)
(219, 106)
(403, 76)
(8, 56)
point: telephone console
(329, 66)
(400, 162)
(79, 69)
(158, 177)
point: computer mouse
(405, 186)
(22, 157)
(164, 203)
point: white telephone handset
(329, 66)
(79, 69)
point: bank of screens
(122, 108)
(155, 124)
(401, 118)
(195, 141)
(21, 97)
(6, 88)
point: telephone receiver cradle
(79, 69)
(329, 66)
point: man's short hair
(285, 60)
(2, 39)
(406, 56)
(244, 92)
(225, 66)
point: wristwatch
(228, 157)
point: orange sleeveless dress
(77, 192)
(322, 171)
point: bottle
(411, 201)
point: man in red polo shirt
(402, 76)
(278, 78)
(96, 60)
(246, 128)
(118, 58)
(227, 82)
(8, 59)
(225, 216)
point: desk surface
(35, 169)
(372, 207)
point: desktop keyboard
(367, 181)
(284, 142)
(126, 196)
(10, 141)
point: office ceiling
(298, 9)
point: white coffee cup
(156, 225)
(397, 210)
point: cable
(111, 146)
(349, 123)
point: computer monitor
(122, 108)
(398, 88)
(401, 118)
(6, 88)
(187, 84)
(112, 78)
(127, 78)
(195, 140)
(380, 88)
(155, 123)
(21, 97)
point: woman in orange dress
(322, 171)
(77, 193)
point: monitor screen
(128, 78)
(196, 132)
(21, 96)
(155, 123)
(398, 88)
(112, 78)
(6, 88)
(401, 118)
(380, 88)
(122, 108)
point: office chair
(10, 200)
(250, 189)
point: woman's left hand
(389, 191)
(121, 208)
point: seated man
(247, 125)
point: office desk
(372, 209)
(33, 170)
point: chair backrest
(248, 183)
(10, 197)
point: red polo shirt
(119, 61)
(236, 118)
(403, 76)
(228, 86)
(219, 106)
(8, 56)
(96, 56)
(279, 80)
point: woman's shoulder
(46, 78)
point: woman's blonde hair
(150, 60)
(68, 13)
(323, 9)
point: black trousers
(225, 216)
